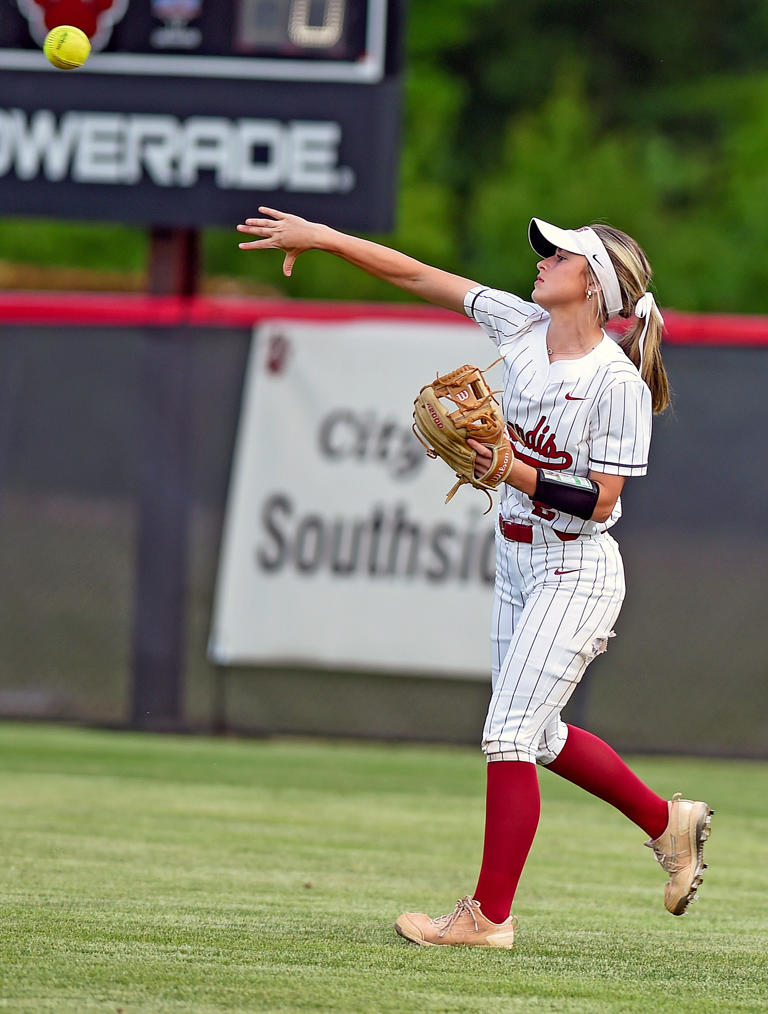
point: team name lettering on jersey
(544, 445)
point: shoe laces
(465, 904)
(669, 862)
(445, 922)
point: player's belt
(515, 531)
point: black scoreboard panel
(281, 39)
(193, 112)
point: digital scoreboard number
(193, 112)
(307, 28)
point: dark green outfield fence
(117, 423)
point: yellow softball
(67, 47)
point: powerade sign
(182, 117)
(120, 148)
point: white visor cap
(546, 238)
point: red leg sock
(512, 808)
(590, 763)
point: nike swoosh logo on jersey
(575, 571)
(570, 397)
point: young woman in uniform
(578, 406)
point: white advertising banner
(338, 548)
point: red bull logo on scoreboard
(96, 18)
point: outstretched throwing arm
(294, 235)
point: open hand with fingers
(284, 232)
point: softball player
(578, 406)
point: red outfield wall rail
(137, 310)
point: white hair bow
(643, 309)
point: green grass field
(147, 873)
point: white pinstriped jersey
(579, 415)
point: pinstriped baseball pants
(554, 609)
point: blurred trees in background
(648, 115)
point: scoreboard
(194, 112)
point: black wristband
(574, 494)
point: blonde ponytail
(643, 336)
